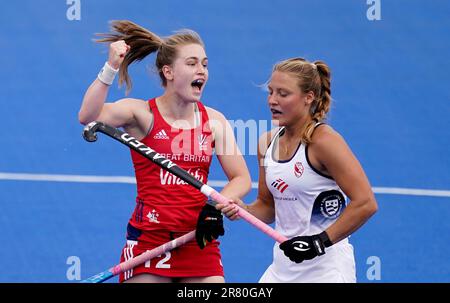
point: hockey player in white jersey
(310, 182)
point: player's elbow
(247, 183)
(83, 118)
(370, 207)
(269, 220)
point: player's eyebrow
(196, 58)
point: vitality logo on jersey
(168, 178)
(202, 142)
(162, 135)
(298, 169)
(280, 185)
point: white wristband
(107, 74)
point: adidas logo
(161, 135)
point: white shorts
(337, 265)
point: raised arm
(93, 106)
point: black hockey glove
(209, 225)
(303, 248)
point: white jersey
(306, 203)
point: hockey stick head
(89, 131)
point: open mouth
(198, 83)
(275, 112)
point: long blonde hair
(311, 76)
(143, 42)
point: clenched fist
(117, 52)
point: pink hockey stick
(89, 134)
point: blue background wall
(391, 92)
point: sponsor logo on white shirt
(280, 185)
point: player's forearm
(354, 215)
(238, 187)
(262, 211)
(93, 102)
